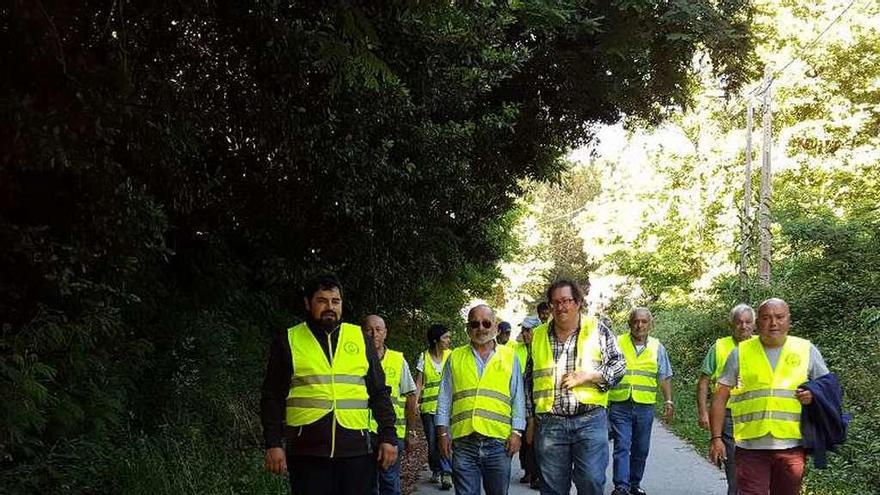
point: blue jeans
(572, 447)
(476, 457)
(388, 481)
(631, 431)
(436, 462)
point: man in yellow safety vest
(403, 397)
(632, 401)
(767, 373)
(742, 323)
(322, 385)
(429, 368)
(503, 336)
(527, 451)
(481, 406)
(575, 359)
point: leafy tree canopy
(165, 165)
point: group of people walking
(339, 408)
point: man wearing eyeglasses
(575, 359)
(481, 406)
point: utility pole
(746, 221)
(764, 206)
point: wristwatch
(517, 433)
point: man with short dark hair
(503, 337)
(323, 383)
(767, 373)
(527, 460)
(574, 361)
(544, 312)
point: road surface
(674, 468)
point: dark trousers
(730, 447)
(527, 458)
(323, 476)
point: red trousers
(773, 472)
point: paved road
(674, 468)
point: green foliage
(170, 175)
(828, 272)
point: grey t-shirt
(815, 369)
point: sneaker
(620, 491)
(446, 481)
(435, 478)
(535, 484)
(637, 491)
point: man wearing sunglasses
(481, 407)
(575, 359)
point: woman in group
(428, 373)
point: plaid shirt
(613, 368)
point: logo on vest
(351, 348)
(392, 373)
(793, 360)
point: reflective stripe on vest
(481, 403)
(766, 402)
(431, 383)
(546, 374)
(640, 380)
(392, 364)
(317, 387)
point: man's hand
(513, 444)
(530, 431)
(717, 452)
(445, 445)
(276, 461)
(704, 420)
(668, 411)
(579, 377)
(387, 455)
(804, 396)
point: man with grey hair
(481, 407)
(632, 401)
(762, 380)
(742, 324)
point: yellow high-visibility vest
(640, 380)
(723, 347)
(766, 402)
(318, 387)
(481, 403)
(546, 373)
(522, 355)
(431, 383)
(392, 364)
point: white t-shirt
(420, 365)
